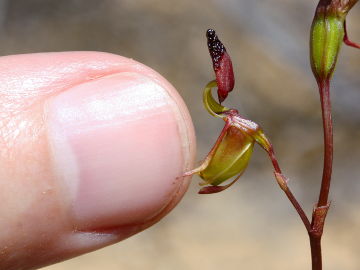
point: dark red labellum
(222, 65)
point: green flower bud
(327, 35)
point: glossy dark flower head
(222, 65)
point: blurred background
(252, 225)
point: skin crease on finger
(36, 228)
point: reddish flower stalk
(324, 89)
(328, 32)
(321, 209)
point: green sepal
(262, 140)
(211, 105)
(229, 157)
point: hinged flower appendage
(231, 153)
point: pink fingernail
(117, 147)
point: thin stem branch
(282, 181)
(315, 228)
(347, 41)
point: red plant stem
(328, 143)
(320, 210)
(315, 245)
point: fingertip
(112, 136)
(118, 145)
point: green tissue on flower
(232, 151)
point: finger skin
(37, 223)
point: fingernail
(117, 149)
